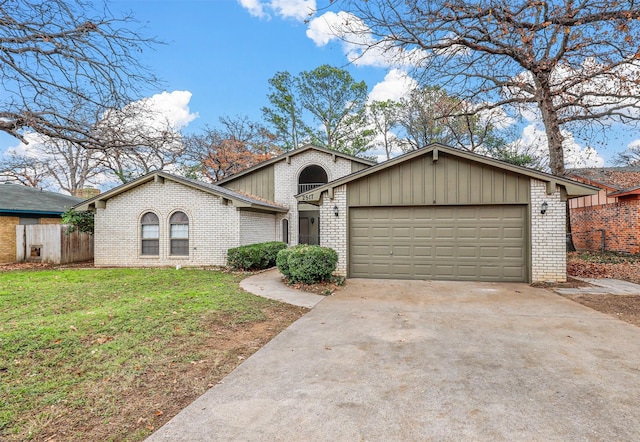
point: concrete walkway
(388, 360)
(269, 285)
(602, 287)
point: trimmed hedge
(307, 264)
(255, 256)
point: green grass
(64, 333)
(607, 257)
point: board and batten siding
(259, 183)
(449, 181)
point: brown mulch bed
(43, 266)
(608, 265)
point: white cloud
(255, 8)
(635, 144)
(29, 149)
(534, 140)
(358, 43)
(299, 10)
(396, 84)
(172, 108)
(322, 29)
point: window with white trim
(150, 234)
(179, 234)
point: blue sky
(219, 55)
(225, 56)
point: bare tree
(64, 59)
(430, 115)
(629, 157)
(137, 140)
(574, 61)
(26, 170)
(70, 167)
(219, 152)
(384, 115)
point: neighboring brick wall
(548, 235)
(8, 238)
(213, 226)
(257, 227)
(620, 222)
(334, 229)
(286, 182)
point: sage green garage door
(473, 243)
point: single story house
(435, 213)
(22, 205)
(610, 219)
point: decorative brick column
(548, 235)
(334, 229)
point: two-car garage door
(475, 243)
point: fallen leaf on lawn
(159, 413)
(73, 328)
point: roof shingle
(22, 199)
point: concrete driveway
(422, 360)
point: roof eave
(573, 189)
(34, 212)
(237, 201)
(286, 155)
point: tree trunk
(551, 125)
(554, 139)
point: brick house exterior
(309, 195)
(20, 205)
(610, 219)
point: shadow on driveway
(424, 360)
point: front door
(309, 230)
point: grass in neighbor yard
(112, 354)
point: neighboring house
(609, 220)
(435, 213)
(21, 205)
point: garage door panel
(513, 252)
(514, 272)
(513, 233)
(489, 233)
(485, 243)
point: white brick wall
(257, 227)
(548, 235)
(286, 183)
(213, 226)
(334, 229)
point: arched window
(311, 177)
(150, 225)
(179, 234)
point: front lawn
(112, 354)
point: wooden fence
(52, 243)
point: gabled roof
(573, 188)
(19, 199)
(238, 199)
(626, 192)
(610, 178)
(287, 155)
